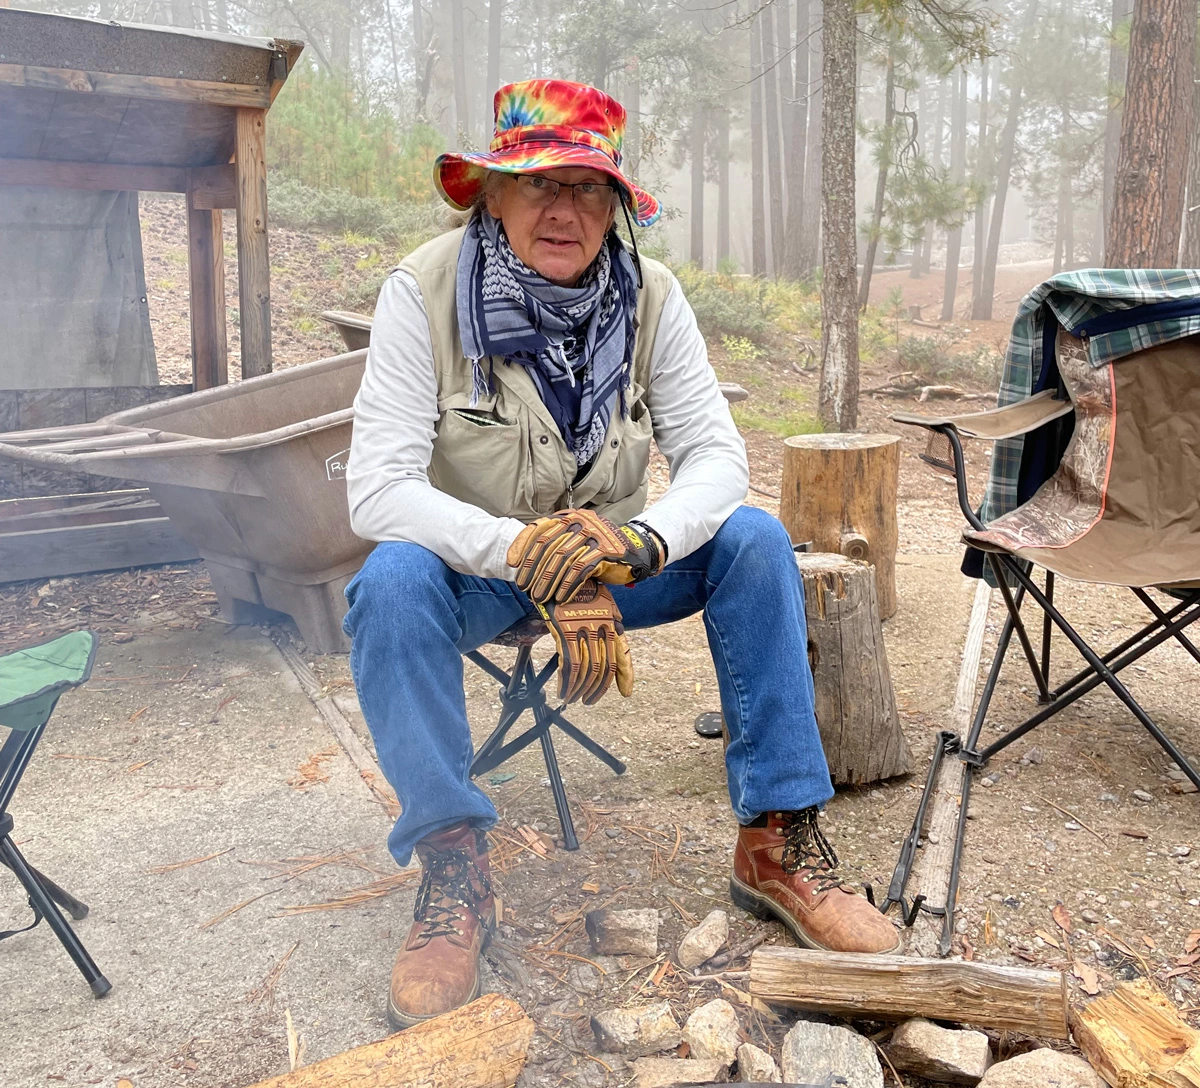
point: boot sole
(398, 1020)
(764, 907)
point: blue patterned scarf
(565, 336)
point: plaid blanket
(1081, 301)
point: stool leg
(11, 857)
(542, 714)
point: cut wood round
(839, 491)
(855, 703)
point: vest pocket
(632, 466)
(482, 458)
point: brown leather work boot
(786, 871)
(438, 967)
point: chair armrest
(1013, 419)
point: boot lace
(805, 849)
(451, 882)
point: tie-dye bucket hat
(547, 124)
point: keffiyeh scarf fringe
(506, 309)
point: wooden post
(206, 273)
(839, 491)
(855, 703)
(254, 270)
(894, 988)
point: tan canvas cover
(1123, 506)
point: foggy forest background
(983, 133)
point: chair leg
(542, 714)
(1106, 674)
(74, 907)
(42, 902)
(580, 737)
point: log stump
(855, 703)
(839, 491)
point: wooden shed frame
(98, 105)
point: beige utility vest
(505, 453)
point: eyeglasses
(541, 191)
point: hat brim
(460, 176)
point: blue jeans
(411, 618)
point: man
(518, 369)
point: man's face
(556, 236)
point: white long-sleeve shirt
(396, 411)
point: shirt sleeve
(395, 415)
(710, 475)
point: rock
(1090, 916)
(703, 942)
(617, 932)
(644, 1029)
(941, 1054)
(1110, 798)
(1180, 851)
(1034, 755)
(756, 1066)
(813, 1053)
(664, 1072)
(713, 1031)
(1184, 787)
(1143, 796)
(1042, 1069)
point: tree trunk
(697, 156)
(770, 56)
(958, 164)
(920, 257)
(793, 239)
(983, 170)
(392, 44)
(1008, 147)
(885, 158)
(723, 251)
(839, 493)
(423, 58)
(1148, 195)
(810, 249)
(852, 686)
(458, 57)
(838, 400)
(1064, 193)
(1117, 63)
(495, 26)
(1190, 256)
(758, 207)
(783, 75)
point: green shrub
(728, 305)
(300, 207)
(937, 359)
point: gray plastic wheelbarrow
(252, 474)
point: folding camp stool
(1119, 509)
(524, 689)
(31, 681)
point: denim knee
(398, 580)
(754, 535)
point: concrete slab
(186, 743)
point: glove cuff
(655, 547)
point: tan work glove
(592, 650)
(555, 556)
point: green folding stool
(31, 681)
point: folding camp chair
(524, 689)
(31, 680)
(1119, 509)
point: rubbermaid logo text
(335, 466)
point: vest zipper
(570, 496)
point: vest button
(615, 443)
(543, 440)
